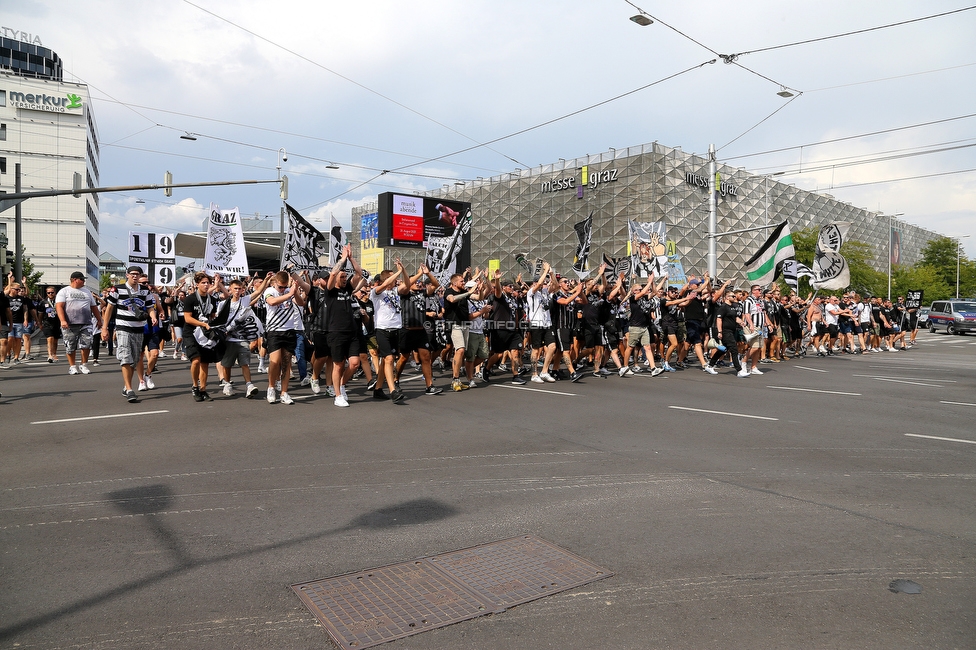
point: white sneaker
(183, 357)
(250, 390)
(710, 370)
(822, 350)
(537, 379)
(286, 399)
(330, 391)
(892, 349)
(228, 389)
(73, 370)
(742, 373)
(150, 384)
(472, 384)
(546, 377)
(342, 391)
(84, 369)
(272, 397)
(755, 371)
(307, 381)
(314, 383)
(341, 401)
(162, 355)
(142, 386)
(278, 386)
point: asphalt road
(184, 525)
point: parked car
(923, 318)
(952, 316)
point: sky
(369, 86)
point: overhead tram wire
(278, 132)
(733, 57)
(562, 117)
(824, 166)
(851, 137)
(906, 178)
(725, 57)
(825, 161)
(758, 123)
(345, 78)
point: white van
(952, 316)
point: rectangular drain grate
(366, 608)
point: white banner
(156, 254)
(225, 243)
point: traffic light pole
(14, 200)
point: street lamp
(958, 253)
(890, 217)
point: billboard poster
(647, 249)
(411, 221)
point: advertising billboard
(410, 221)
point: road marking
(99, 417)
(946, 381)
(537, 390)
(736, 415)
(813, 390)
(957, 403)
(813, 369)
(917, 435)
(913, 383)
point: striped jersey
(131, 306)
(283, 317)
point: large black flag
(584, 233)
(303, 244)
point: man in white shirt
(543, 339)
(284, 298)
(76, 306)
(386, 312)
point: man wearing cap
(132, 305)
(344, 324)
(75, 306)
(506, 336)
(50, 323)
(418, 323)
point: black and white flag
(793, 271)
(615, 267)
(156, 254)
(523, 262)
(442, 252)
(584, 234)
(829, 266)
(303, 245)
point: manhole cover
(366, 608)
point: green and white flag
(761, 267)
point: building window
(3, 131)
(3, 97)
(3, 165)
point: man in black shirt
(506, 335)
(6, 318)
(456, 316)
(418, 320)
(343, 324)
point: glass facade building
(28, 60)
(533, 211)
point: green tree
(104, 282)
(920, 276)
(940, 254)
(864, 279)
(32, 277)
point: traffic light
(284, 188)
(167, 181)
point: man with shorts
(242, 329)
(542, 338)
(344, 324)
(638, 327)
(506, 335)
(5, 322)
(132, 305)
(22, 312)
(51, 324)
(385, 297)
(318, 333)
(200, 308)
(456, 317)
(754, 319)
(418, 325)
(284, 298)
(75, 306)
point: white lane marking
(99, 417)
(813, 369)
(945, 381)
(537, 390)
(736, 415)
(917, 435)
(941, 401)
(913, 383)
(813, 390)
